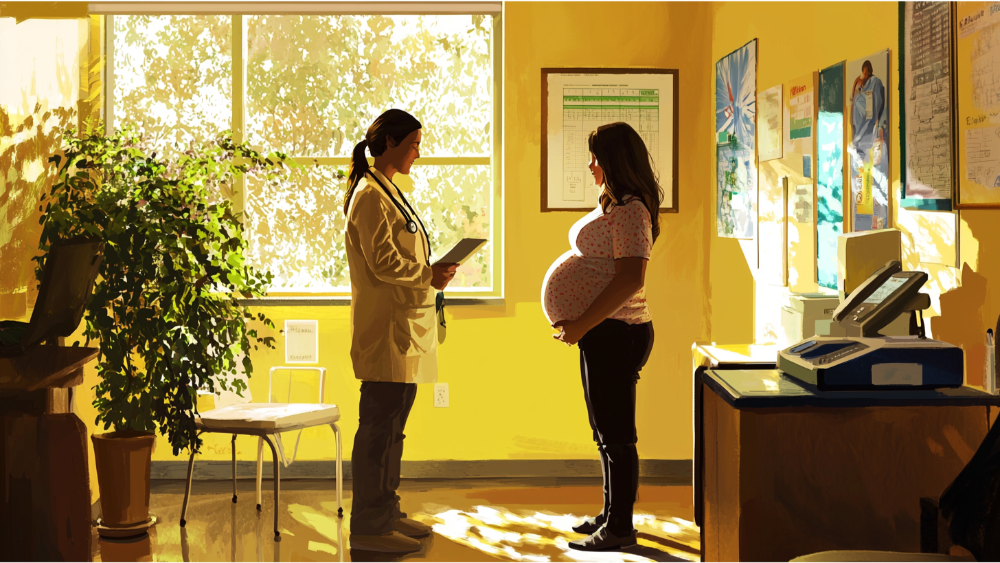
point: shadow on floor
(473, 520)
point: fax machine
(866, 360)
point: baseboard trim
(671, 471)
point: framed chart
(576, 101)
(977, 74)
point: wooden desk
(782, 470)
(45, 513)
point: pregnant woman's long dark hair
(627, 167)
(394, 123)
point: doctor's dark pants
(378, 450)
(611, 355)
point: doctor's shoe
(604, 540)
(411, 528)
(590, 525)
(393, 542)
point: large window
(309, 86)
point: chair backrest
(227, 398)
(270, 380)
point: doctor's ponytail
(395, 124)
(359, 167)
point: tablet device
(462, 251)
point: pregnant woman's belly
(571, 285)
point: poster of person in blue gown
(868, 114)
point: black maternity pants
(611, 355)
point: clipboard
(462, 251)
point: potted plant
(165, 308)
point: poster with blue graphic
(735, 124)
(829, 173)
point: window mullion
(109, 75)
(239, 51)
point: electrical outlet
(440, 395)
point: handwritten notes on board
(977, 74)
(928, 105)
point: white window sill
(336, 301)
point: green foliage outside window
(165, 307)
(313, 85)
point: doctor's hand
(442, 274)
(571, 332)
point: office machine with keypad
(864, 359)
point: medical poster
(977, 76)
(770, 124)
(577, 102)
(786, 239)
(735, 124)
(799, 160)
(829, 173)
(867, 123)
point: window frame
(238, 13)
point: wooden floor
(473, 520)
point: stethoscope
(411, 225)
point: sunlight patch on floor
(545, 536)
(327, 525)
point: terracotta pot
(123, 460)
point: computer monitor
(67, 282)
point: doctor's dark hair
(395, 124)
(628, 170)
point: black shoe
(603, 540)
(589, 525)
(411, 528)
(393, 542)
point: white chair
(266, 421)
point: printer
(864, 359)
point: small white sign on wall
(301, 342)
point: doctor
(393, 328)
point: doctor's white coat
(393, 322)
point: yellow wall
(795, 38)
(516, 392)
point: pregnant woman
(595, 295)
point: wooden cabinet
(45, 495)
(783, 471)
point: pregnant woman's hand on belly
(571, 332)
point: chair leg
(187, 490)
(234, 468)
(260, 463)
(340, 472)
(277, 481)
(281, 449)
